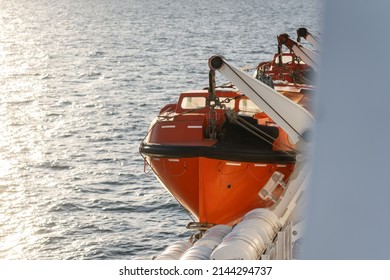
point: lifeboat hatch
(269, 187)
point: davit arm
(309, 57)
(303, 32)
(291, 117)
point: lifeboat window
(289, 59)
(247, 107)
(193, 102)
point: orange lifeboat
(218, 153)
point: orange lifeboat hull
(218, 191)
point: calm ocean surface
(80, 81)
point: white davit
(291, 117)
